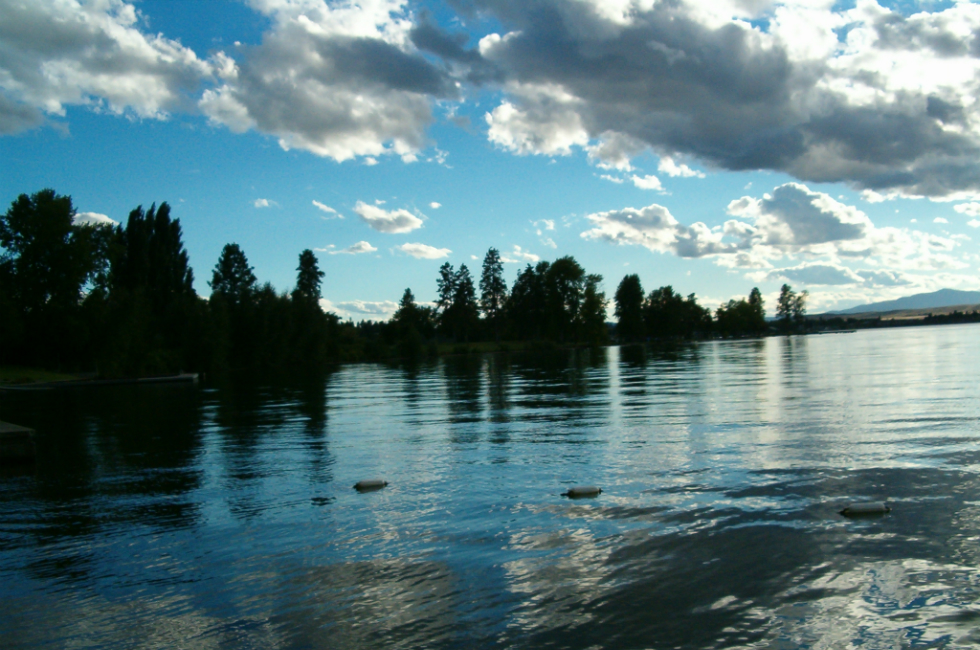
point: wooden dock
(16, 444)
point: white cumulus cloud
(355, 249)
(649, 182)
(969, 209)
(793, 222)
(93, 219)
(340, 80)
(424, 251)
(672, 169)
(864, 94)
(387, 221)
(58, 53)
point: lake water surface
(224, 517)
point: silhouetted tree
(49, 256)
(742, 317)
(564, 281)
(445, 288)
(465, 311)
(456, 304)
(759, 307)
(153, 313)
(315, 333)
(791, 309)
(629, 309)
(47, 262)
(408, 321)
(526, 307)
(493, 290)
(668, 314)
(308, 278)
(592, 312)
(799, 309)
(232, 278)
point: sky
(714, 146)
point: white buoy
(370, 484)
(583, 491)
(869, 508)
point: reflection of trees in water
(107, 456)
(418, 391)
(795, 357)
(565, 385)
(463, 380)
(311, 404)
(498, 371)
(738, 376)
(255, 421)
(633, 381)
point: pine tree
(465, 312)
(308, 278)
(493, 290)
(232, 278)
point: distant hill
(934, 300)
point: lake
(224, 516)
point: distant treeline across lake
(118, 300)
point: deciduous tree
(629, 309)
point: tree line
(118, 300)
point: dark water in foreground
(165, 517)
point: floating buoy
(870, 508)
(370, 485)
(582, 491)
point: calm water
(165, 517)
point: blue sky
(713, 146)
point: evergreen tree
(445, 287)
(464, 309)
(232, 278)
(408, 323)
(314, 332)
(493, 290)
(629, 309)
(308, 278)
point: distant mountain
(941, 298)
